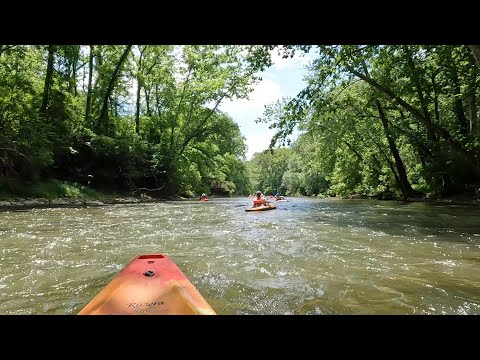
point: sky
(283, 78)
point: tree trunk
(430, 132)
(104, 113)
(390, 164)
(147, 92)
(424, 152)
(139, 88)
(458, 105)
(418, 115)
(114, 102)
(137, 111)
(359, 136)
(435, 98)
(476, 53)
(157, 102)
(405, 186)
(472, 99)
(74, 73)
(147, 101)
(48, 79)
(357, 154)
(473, 109)
(89, 86)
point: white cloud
(259, 141)
(282, 79)
(245, 112)
(265, 92)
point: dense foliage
(123, 118)
(387, 121)
(396, 121)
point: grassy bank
(50, 189)
(53, 190)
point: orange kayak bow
(149, 285)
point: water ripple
(307, 257)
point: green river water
(308, 256)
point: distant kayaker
(259, 200)
(204, 197)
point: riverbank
(55, 193)
(452, 200)
(461, 199)
(28, 203)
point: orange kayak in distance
(261, 208)
(149, 285)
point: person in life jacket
(259, 200)
(204, 197)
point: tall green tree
(425, 99)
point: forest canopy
(385, 121)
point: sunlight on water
(308, 256)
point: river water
(308, 256)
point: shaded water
(309, 256)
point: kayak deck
(149, 285)
(261, 208)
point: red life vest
(258, 201)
